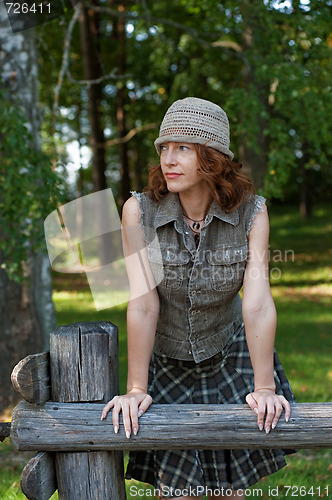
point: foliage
(268, 65)
(29, 190)
(300, 130)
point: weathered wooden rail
(77, 427)
(64, 392)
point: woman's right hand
(133, 405)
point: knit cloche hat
(197, 121)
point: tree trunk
(138, 183)
(306, 196)
(119, 35)
(89, 28)
(254, 159)
(26, 311)
(306, 186)
(89, 24)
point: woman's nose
(170, 157)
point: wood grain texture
(77, 427)
(84, 362)
(84, 367)
(31, 378)
(38, 480)
(104, 476)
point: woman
(190, 337)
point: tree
(300, 148)
(90, 42)
(119, 37)
(26, 189)
(264, 64)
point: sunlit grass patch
(72, 307)
(12, 463)
(309, 469)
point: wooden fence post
(83, 376)
(84, 368)
(31, 379)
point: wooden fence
(64, 392)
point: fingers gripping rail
(77, 427)
(80, 455)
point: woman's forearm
(141, 328)
(260, 326)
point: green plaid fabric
(225, 378)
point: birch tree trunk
(26, 311)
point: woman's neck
(195, 205)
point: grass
(300, 255)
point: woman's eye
(184, 148)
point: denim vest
(200, 307)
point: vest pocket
(171, 265)
(227, 267)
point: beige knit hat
(197, 121)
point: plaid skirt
(225, 378)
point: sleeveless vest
(200, 306)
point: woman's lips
(172, 175)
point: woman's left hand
(265, 402)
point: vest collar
(215, 210)
(170, 210)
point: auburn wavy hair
(227, 185)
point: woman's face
(179, 164)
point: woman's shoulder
(131, 211)
(254, 200)
(252, 203)
(140, 207)
(144, 199)
(250, 207)
(140, 197)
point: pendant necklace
(195, 223)
(195, 226)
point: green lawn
(300, 257)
